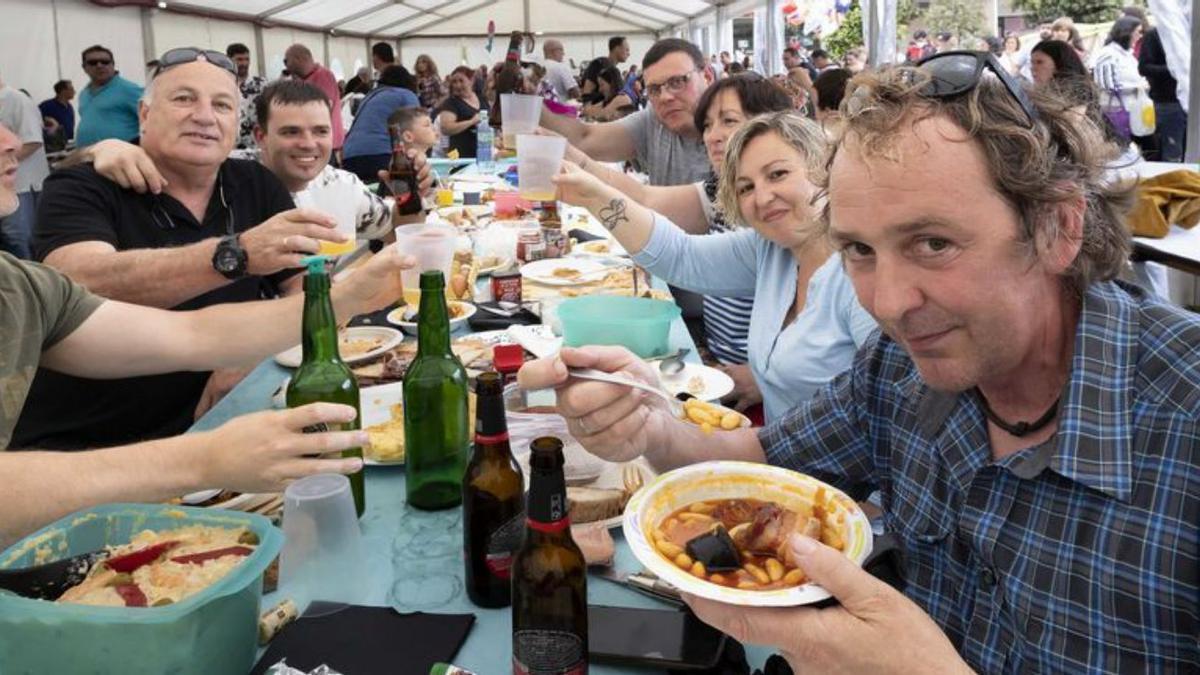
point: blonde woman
(430, 89)
(806, 323)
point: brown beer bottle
(402, 177)
(493, 500)
(549, 587)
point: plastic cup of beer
(519, 114)
(323, 557)
(432, 244)
(538, 160)
(341, 201)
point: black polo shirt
(78, 204)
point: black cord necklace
(1018, 429)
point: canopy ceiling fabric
(398, 19)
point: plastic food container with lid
(641, 324)
(213, 631)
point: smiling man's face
(297, 142)
(192, 116)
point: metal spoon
(601, 376)
(673, 365)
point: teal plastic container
(641, 324)
(214, 631)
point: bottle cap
(315, 263)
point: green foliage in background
(1082, 11)
(963, 18)
(848, 35)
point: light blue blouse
(789, 362)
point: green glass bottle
(322, 375)
(436, 428)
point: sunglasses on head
(958, 72)
(182, 55)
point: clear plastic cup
(432, 244)
(323, 557)
(520, 114)
(538, 159)
(341, 201)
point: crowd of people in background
(1109, 81)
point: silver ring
(285, 243)
(583, 427)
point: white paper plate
(396, 318)
(374, 404)
(543, 271)
(390, 337)
(703, 382)
(728, 480)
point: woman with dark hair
(614, 102)
(831, 89)
(460, 112)
(1056, 65)
(1116, 73)
(722, 109)
(368, 148)
(1054, 59)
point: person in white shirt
(19, 113)
(293, 132)
(558, 74)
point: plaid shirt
(1078, 555)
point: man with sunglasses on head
(49, 321)
(108, 106)
(221, 230)
(1031, 422)
(663, 137)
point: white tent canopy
(41, 40)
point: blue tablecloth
(415, 557)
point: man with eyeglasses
(221, 230)
(1031, 422)
(663, 137)
(108, 106)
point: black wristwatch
(230, 258)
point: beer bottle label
(548, 652)
(502, 544)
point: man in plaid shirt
(1032, 424)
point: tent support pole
(260, 51)
(1192, 152)
(149, 53)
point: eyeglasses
(182, 55)
(958, 72)
(98, 62)
(673, 85)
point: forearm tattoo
(613, 215)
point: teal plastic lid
(315, 263)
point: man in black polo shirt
(221, 231)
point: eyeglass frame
(653, 91)
(982, 60)
(185, 55)
(170, 224)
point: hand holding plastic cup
(339, 200)
(520, 114)
(432, 245)
(538, 160)
(322, 557)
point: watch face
(227, 260)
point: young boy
(416, 128)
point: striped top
(726, 320)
